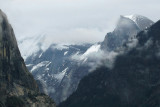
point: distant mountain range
(58, 68)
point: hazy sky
(73, 20)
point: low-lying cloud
(95, 57)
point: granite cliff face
(17, 86)
(134, 81)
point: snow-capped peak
(134, 17)
(141, 21)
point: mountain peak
(127, 27)
(141, 21)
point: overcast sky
(73, 20)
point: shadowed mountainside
(134, 81)
(17, 86)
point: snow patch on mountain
(44, 63)
(65, 53)
(92, 49)
(40, 55)
(60, 75)
(93, 53)
(141, 21)
(28, 65)
(60, 46)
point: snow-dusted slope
(56, 72)
(141, 21)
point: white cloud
(73, 20)
(95, 57)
